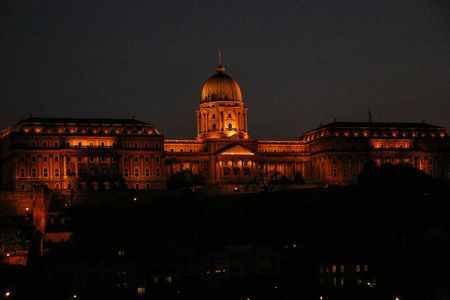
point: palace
(69, 153)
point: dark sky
(298, 63)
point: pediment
(236, 150)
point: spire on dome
(220, 68)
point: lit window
(141, 290)
(342, 269)
(333, 269)
(342, 280)
(358, 268)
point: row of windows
(283, 151)
(334, 269)
(91, 159)
(45, 173)
(46, 144)
(92, 172)
(182, 150)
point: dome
(220, 87)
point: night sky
(299, 63)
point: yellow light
(7, 294)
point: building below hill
(66, 153)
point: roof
(81, 121)
(377, 125)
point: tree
(185, 179)
(267, 179)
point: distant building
(64, 153)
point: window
(136, 145)
(56, 159)
(22, 159)
(44, 144)
(125, 159)
(333, 269)
(366, 268)
(125, 145)
(147, 172)
(45, 172)
(157, 159)
(358, 268)
(136, 172)
(158, 174)
(103, 159)
(45, 159)
(229, 115)
(136, 159)
(56, 144)
(136, 186)
(214, 126)
(68, 158)
(334, 172)
(56, 172)
(213, 116)
(225, 163)
(68, 144)
(33, 159)
(156, 145)
(80, 144)
(33, 173)
(91, 159)
(22, 173)
(125, 172)
(103, 171)
(147, 159)
(342, 269)
(69, 171)
(57, 186)
(23, 187)
(80, 170)
(145, 145)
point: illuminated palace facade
(64, 153)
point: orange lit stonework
(129, 154)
